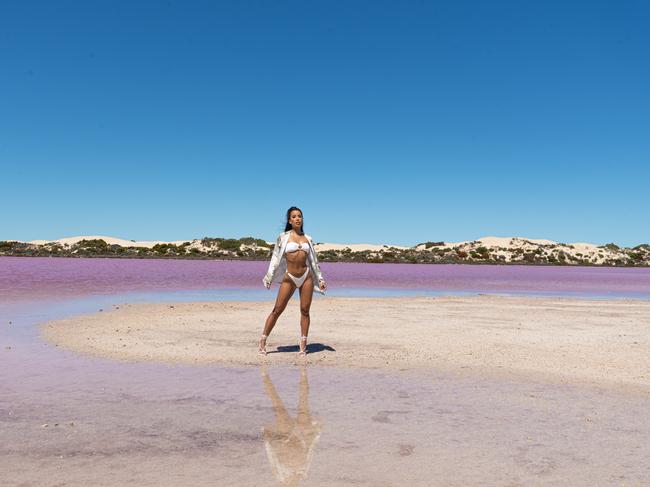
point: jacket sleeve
(275, 261)
(314, 261)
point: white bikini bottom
(299, 281)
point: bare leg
(283, 419)
(306, 293)
(304, 416)
(284, 295)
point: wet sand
(550, 340)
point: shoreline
(603, 343)
(244, 259)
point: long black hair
(288, 226)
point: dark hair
(288, 226)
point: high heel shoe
(262, 348)
(302, 352)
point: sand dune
(490, 242)
(109, 240)
(484, 250)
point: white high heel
(302, 352)
(262, 349)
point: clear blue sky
(387, 122)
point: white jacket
(278, 264)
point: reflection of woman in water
(294, 265)
(290, 441)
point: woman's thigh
(306, 293)
(284, 294)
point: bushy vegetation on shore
(207, 248)
(552, 255)
(249, 248)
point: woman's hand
(322, 285)
(267, 285)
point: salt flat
(559, 340)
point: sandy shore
(604, 343)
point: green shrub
(93, 243)
(165, 248)
(231, 244)
(255, 241)
(428, 245)
(6, 246)
(530, 257)
(483, 252)
(211, 242)
(93, 246)
(610, 246)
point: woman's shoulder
(308, 237)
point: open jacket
(278, 264)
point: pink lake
(25, 278)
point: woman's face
(295, 218)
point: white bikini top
(294, 247)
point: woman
(294, 265)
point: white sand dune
(357, 247)
(503, 249)
(109, 240)
(489, 242)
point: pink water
(24, 278)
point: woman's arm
(273, 265)
(319, 275)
